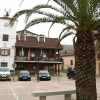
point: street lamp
(14, 64)
(38, 69)
(38, 58)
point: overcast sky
(14, 5)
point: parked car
(24, 75)
(5, 73)
(71, 74)
(44, 75)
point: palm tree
(85, 18)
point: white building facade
(7, 42)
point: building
(36, 52)
(68, 61)
(7, 42)
(97, 62)
(67, 55)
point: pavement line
(13, 91)
(6, 94)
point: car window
(24, 72)
(4, 69)
(72, 72)
(43, 72)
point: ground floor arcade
(34, 67)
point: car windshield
(72, 71)
(24, 72)
(43, 72)
(4, 69)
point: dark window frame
(4, 64)
(21, 67)
(71, 62)
(5, 37)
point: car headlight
(39, 75)
(48, 76)
(20, 76)
(28, 76)
(8, 74)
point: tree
(85, 17)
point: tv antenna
(6, 12)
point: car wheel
(29, 79)
(9, 79)
(68, 77)
(18, 79)
(37, 78)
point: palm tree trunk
(85, 69)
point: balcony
(18, 58)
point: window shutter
(0, 51)
(8, 51)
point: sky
(13, 6)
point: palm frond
(18, 14)
(50, 28)
(61, 38)
(48, 1)
(66, 29)
(45, 20)
(37, 9)
(21, 2)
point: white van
(5, 73)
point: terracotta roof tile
(25, 31)
(33, 42)
(5, 18)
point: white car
(5, 73)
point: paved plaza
(21, 90)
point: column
(58, 70)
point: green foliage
(83, 15)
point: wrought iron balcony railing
(35, 59)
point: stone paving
(21, 90)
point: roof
(33, 42)
(66, 55)
(67, 48)
(5, 18)
(25, 31)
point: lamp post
(14, 65)
(38, 58)
(38, 69)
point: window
(71, 62)
(5, 37)
(4, 52)
(41, 39)
(3, 64)
(21, 53)
(20, 66)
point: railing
(21, 58)
(42, 59)
(42, 94)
